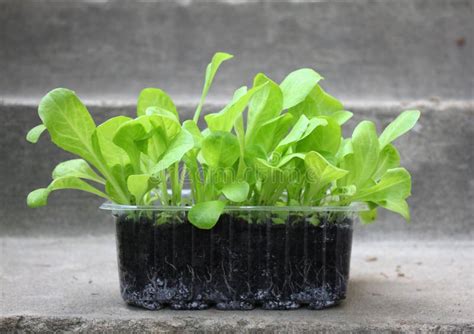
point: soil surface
(242, 263)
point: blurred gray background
(378, 57)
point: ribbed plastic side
(249, 259)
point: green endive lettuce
(287, 150)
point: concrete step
(384, 50)
(438, 153)
(71, 285)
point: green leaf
(347, 163)
(325, 104)
(344, 149)
(388, 159)
(252, 152)
(240, 132)
(120, 173)
(39, 197)
(368, 217)
(154, 97)
(273, 182)
(105, 132)
(318, 103)
(278, 127)
(325, 138)
(72, 128)
(401, 125)
(365, 146)
(349, 190)
(178, 147)
(211, 71)
(161, 112)
(220, 149)
(301, 130)
(206, 214)
(297, 86)
(193, 129)
(399, 206)
(240, 92)
(128, 136)
(70, 182)
(76, 168)
(167, 126)
(139, 185)
(395, 184)
(289, 157)
(224, 120)
(68, 122)
(236, 191)
(295, 133)
(35, 133)
(265, 105)
(265, 168)
(320, 172)
(341, 116)
(158, 131)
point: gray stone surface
(111, 49)
(438, 152)
(71, 284)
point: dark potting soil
(240, 264)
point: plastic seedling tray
(277, 258)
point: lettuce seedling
(272, 144)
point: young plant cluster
(287, 150)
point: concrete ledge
(204, 324)
(71, 284)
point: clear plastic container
(269, 257)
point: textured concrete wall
(379, 49)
